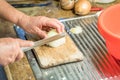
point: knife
(44, 41)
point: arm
(10, 13)
(36, 25)
(10, 48)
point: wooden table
(22, 70)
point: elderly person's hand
(40, 24)
(10, 50)
(35, 25)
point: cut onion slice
(55, 43)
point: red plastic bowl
(109, 28)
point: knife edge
(44, 41)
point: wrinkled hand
(10, 50)
(40, 24)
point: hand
(10, 50)
(40, 24)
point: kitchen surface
(97, 63)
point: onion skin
(76, 1)
(82, 7)
(67, 4)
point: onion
(55, 43)
(67, 4)
(76, 30)
(82, 7)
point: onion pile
(81, 7)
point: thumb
(19, 56)
(25, 43)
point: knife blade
(44, 41)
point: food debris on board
(76, 30)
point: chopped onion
(76, 30)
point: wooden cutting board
(49, 56)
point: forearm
(10, 13)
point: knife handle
(24, 49)
(31, 5)
(22, 5)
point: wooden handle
(8, 73)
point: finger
(61, 25)
(19, 56)
(24, 43)
(4, 64)
(46, 28)
(41, 33)
(53, 24)
(10, 60)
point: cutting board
(66, 53)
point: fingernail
(59, 31)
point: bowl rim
(100, 21)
